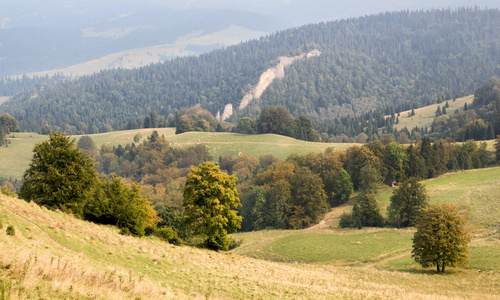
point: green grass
(15, 158)
(326, 246)
(16, 155)
(475, 192)
(425, 115)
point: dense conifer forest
(404, 59)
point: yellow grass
(425, 115)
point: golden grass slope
(425, 115)
(54, 256)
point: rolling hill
(15, 158)
(53, 255)
(410, 58)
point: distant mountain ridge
(410, 58)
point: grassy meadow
(54, 256)
(15, 158)
(425, 115)
(3, 99)
(475, 192)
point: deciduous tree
(441, 239)
(210, 200)
(60, 175)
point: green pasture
(349, 247)
(14, 158)
(475, 192)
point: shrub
(11, 230)
(234, 244)
(169, 235)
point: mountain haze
(408, 58)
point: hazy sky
(288, 12)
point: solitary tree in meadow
(441, 239)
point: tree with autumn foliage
(210, 201)
(441, 239)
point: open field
(425, 115)
(15, 158)
(4, 99)
(54, 256)
(475, 192)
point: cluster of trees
(365, 63)
(61, 176)
(479, 121)
(292, 193)
(8, 124)
(278, 120)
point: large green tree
(441, 239)
(407, 203)
(60, 175)
(117, 204)
(210, 202)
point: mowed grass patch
(258, 144)
(334, 247)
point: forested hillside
(407, 59)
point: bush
(11, 230)
(169, 235)
(348, 220)
(234, 244)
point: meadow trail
(332, 218)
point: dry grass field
(54, 256)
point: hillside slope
(365, 63)
(15, 158)
(52, 255)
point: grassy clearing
(15, 158)
(55, 256)
(425, 115)
(475, 192)
(4, 99)
(350, 247)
